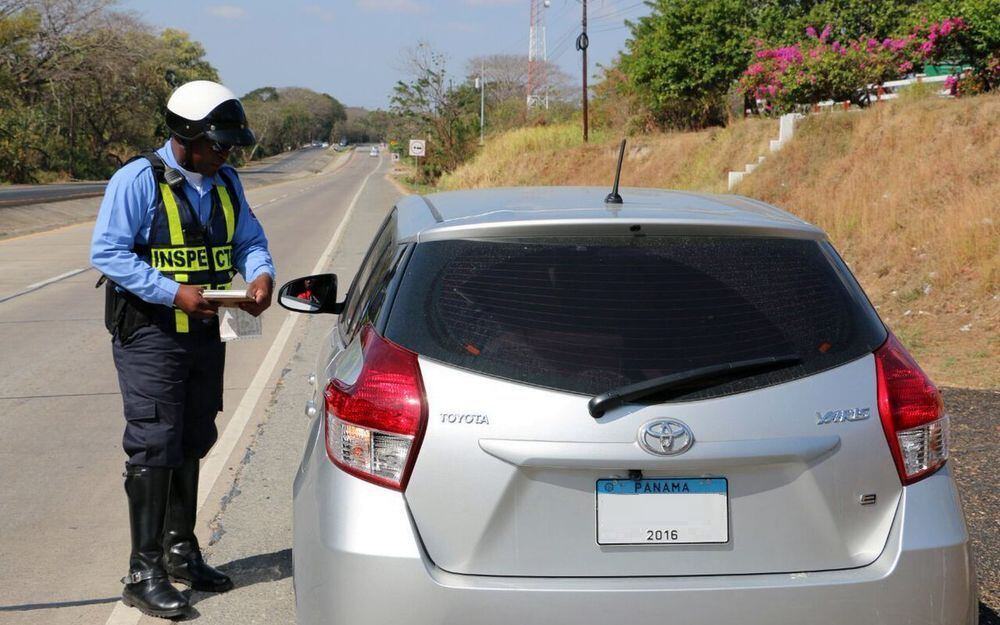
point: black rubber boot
(184, 563)
(147, 586)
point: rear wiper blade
(600, 404)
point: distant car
(373, 152)
(325, 144)
(536, 407)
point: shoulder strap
(159, 167)
(164, 174)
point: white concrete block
(734, 178)
(786, 128)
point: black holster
(124, 313)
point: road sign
(395, 157)
(418, 147)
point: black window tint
(378, 286)
(369, 276)
(589, 315)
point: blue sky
(352, 49)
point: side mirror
(311, 295)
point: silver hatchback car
(536, 407)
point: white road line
(215, 462)
(38, 285)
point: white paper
(236, 324)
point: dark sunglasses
(221, 148)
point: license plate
(662, 511)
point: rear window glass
(587, 315)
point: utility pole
(582, 43)
(482, 102)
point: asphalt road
(21, 195)
(63, 530)
(270, 170)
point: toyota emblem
(665, 437)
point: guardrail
(886, 91)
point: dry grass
(556, 155)
(908, 193)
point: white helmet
(203, 108)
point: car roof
(564, 211)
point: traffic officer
(174, 222)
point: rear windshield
(586, 315)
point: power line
(617, 12)
(563, 43)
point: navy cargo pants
(171, 387)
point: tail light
(374, 425)
(912, 413)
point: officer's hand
(260, 290)
(189, 300)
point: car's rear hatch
(516, 336)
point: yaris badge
(665, 437)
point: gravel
(975, 425)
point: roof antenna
(613, 197)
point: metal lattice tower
(537, 54)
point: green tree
(683, 57)
(290, 116)
(83, 87)
(430, 106)
(979, 44)
(182, 60)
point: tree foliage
(83, 87)
(684, 58)
(979, 43)
(506, 87)
(363, 126)
(820, 68)
(430, 106)
(290, 116)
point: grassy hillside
(555, 155)
(909, 193)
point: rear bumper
(359, 560)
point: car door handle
(709, 455)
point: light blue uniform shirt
(126, 217)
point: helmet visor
(233, 136)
